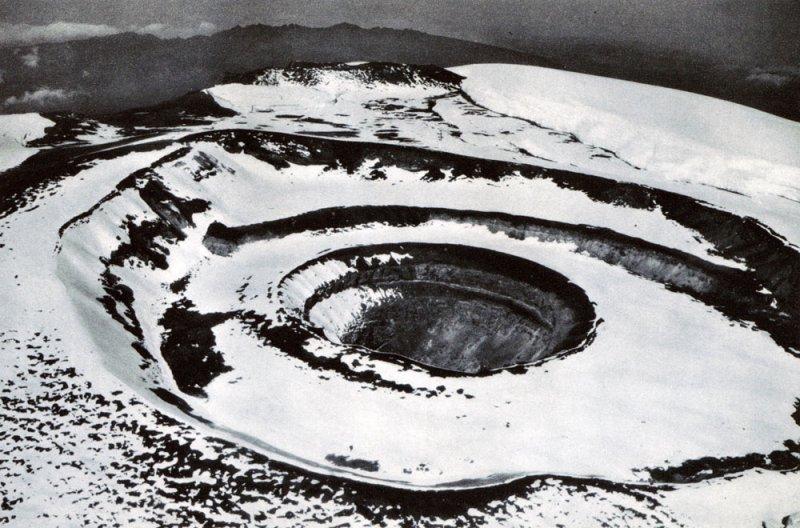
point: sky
(727, 30)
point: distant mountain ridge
(116, 72)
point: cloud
(31, 59)
(777, 77)
(774, 79)
(40, 97)
(15, 34)
(27, 34)
(167, 31)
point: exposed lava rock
(188, 346)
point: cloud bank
(28, 34)
(167, 31)
(15, 34)
(40, 97)
(31, 59)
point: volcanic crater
(456, 308)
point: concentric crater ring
(297, 327)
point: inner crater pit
(448, 307)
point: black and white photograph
(421, 263)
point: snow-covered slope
(16, 130)
(375, 293)
(677, 135)
(595, 106)
(419, 106)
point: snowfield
(208, 317)
(16, 130)
(681, 134)
(691, 143)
